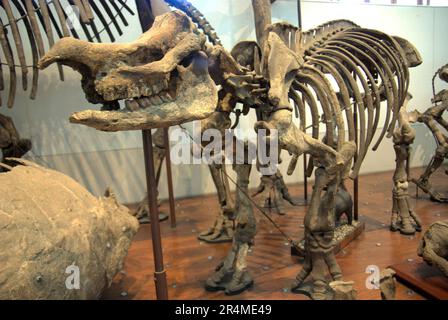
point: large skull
(162, 77)
(434, 246)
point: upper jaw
(160, 93)
(196, 100)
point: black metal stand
(159, 273)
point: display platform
(426, 279)
(344, 235)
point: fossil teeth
(165, 97)
(151, 101)
(157, 100)
(144, 103)
(132, 105)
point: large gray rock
(50, 225)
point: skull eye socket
(188, 60)
(156, 54)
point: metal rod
(159, 273)
(299, 13)
(356, 181)
(305, 178)
(169, 177)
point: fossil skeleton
(368, 67)
(58, 19)
(433, 120)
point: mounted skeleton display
(433, 120)
(171, 75)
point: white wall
(99, 160)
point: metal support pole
(169, 177)
(159, 273)
(299, 13)
(356, 181)
(305, 178)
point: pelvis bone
(162, 77)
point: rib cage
(48, 19)
(366, 66)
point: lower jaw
(197, 100)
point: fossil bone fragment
(343, 290)
(274, 191)
(232, 274)
(48, 239)
(388, 284)
(433, 246)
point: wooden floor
(189, 262)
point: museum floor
(189, 262)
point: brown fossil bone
(46, 236)
(433, 246)
(368, 67)
(274, 191)
(343, 290)
(388, 284)
(163, 77)
(263, 18)
(433, 120)
(11, 145)
(403, 218)
(232, 275)
(222, 228)
(197, 17)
